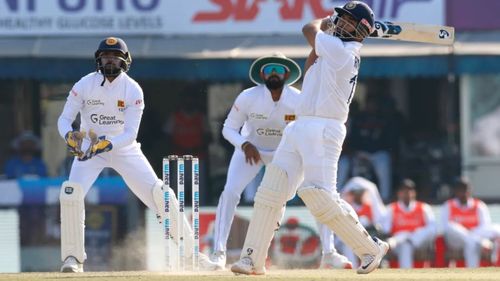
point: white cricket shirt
(113, 110)
(329, 84)
(261, 120)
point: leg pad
(267, 213)
(339, 218)
(72, 221)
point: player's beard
(111, 70)
(274, 83)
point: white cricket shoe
(219, 258)
(334, 260)
(71, 264)
(205, 264)
(370, 262)
(245, 266)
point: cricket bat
(414, 32)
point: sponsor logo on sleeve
(74, 93)
(138, 102)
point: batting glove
(74, 142)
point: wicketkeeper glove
(74, 142)
(97, 146)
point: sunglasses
(279, 69)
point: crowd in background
(413, 232)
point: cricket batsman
(311, 145)
(254, 126)
(110, 104)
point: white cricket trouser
(239, 175)
(409, 242)
(326, 237)
(310, 148)
(460, 238)
(129, 162)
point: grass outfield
(288, 275)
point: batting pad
(72, 221)
(158, 196)
(338, 218)
(267, 213)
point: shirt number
(353, 81)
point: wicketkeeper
(110, 104)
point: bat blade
(414, 32)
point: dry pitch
(288, 275)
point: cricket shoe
(71, 264)
(334, 260)
(204, 263)
(370, 262)
(245, 266)
(219, 259)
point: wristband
(245, 144)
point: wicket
(179, 163)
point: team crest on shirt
(289, 118)
(121, 105)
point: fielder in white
(467, 224)
(110, 104)
(254, 126)
(410, 223)
(366, 201)
(311, 145)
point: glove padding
(74, 142)
(97, 145)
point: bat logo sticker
(443, 34)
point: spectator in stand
(25, 163)
(364, 198)
(467, 224)
(374, 133)
(410, 224)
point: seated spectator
(365, 199)
(410, 224)
(25, 163)
(467, 224)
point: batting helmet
(362, 13)
(113, 44)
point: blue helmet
(362, 13)
(113, 44)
